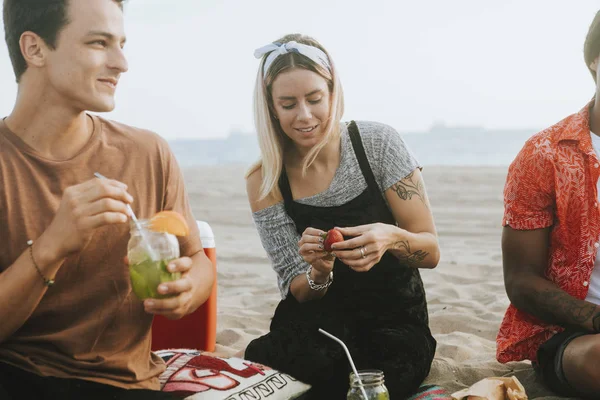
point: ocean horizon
(445, 146)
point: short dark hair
(591, 47)
(43, 17)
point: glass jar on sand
(372, 385)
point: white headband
(277, 49)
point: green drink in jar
(369, 383)
(150, 249)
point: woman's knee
(405, 357)
(309, 360)
(402, 346)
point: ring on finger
(362, 252)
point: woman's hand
(367, 246)
(311, 250)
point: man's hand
(83, 209)
(182, 303)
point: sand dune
(465, 292)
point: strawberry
(331, 237)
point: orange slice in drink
(171, 222)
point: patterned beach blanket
(194, 376)
(431, 392)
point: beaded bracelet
(47, 282)
(315, 286)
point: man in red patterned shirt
(550, 243)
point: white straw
(364, 393)
(149, 249)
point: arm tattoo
(407, 188)
(410, 258)
(558, 307)
(596, 322)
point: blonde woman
(315, 174)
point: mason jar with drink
(152, 245)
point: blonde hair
(271, 139)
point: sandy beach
(465, 292)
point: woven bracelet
(47, 282)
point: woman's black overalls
(381, 314)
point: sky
(499, 64)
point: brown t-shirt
(89, 325)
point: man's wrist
(45, 253)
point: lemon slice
(171, 222)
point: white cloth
(593, 295)
(276, 49)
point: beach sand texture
(465, 292)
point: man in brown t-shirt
(86, 335)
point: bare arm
(203, 274)
(83, 209)
(309, 242)
(415, 241)
(412, 239)
(302, 292)
(525, 258)
(22, 289)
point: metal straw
(364, 393)
(137, 225)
